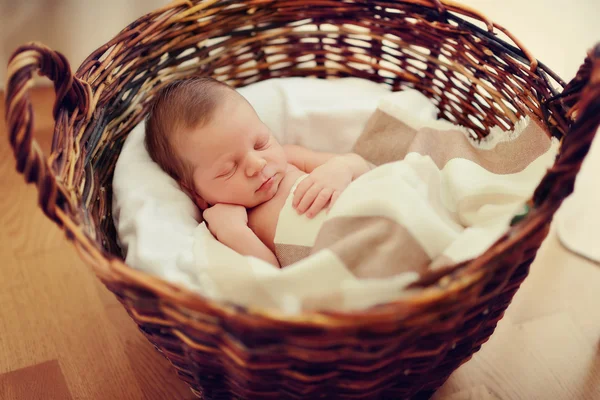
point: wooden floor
(63, 335)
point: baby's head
(208, 138)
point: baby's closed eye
(227, 172)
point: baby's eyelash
(228, 173)
(231, 172)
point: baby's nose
(255, 165)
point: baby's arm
(244, 241)
(307, 160)
(229, 224)
(329, 173)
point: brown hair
(182, 104)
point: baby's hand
(224, 218)
(324, 185)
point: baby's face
(236, 160)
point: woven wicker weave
(451, 53)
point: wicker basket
(454, 55)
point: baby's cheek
(211, 193)
(281, 158)
(220, 191)
(230, 191)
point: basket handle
(70, 92)
(581, 97)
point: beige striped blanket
(436, 198)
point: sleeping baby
(208, 138)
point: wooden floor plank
(41, 381)
(476, 393)
(560, 282)
(153, 373)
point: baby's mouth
(266, 185)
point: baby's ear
(200, 202)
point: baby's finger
(334, 197)
(320, 202)
(301, 189)
(308, 199)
